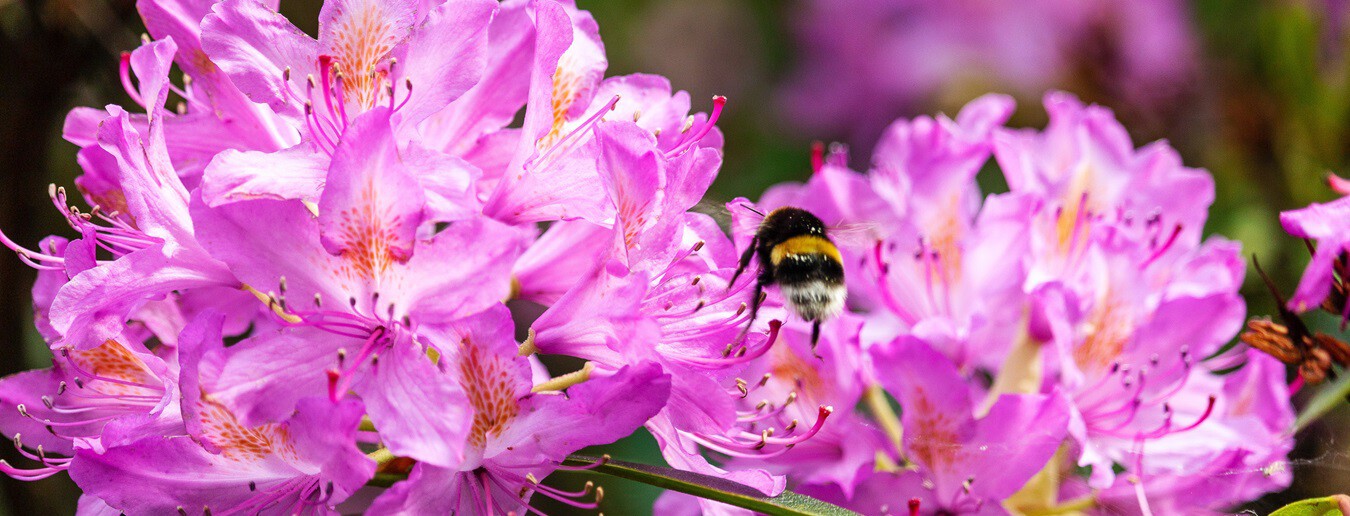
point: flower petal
(254, 45)
(445, 56)
(371, 205)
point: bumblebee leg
(745, 261)
(756, 301)
(815, 337)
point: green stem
(702, 486)
(711, 488)
(386, 479)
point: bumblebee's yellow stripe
(805, 244)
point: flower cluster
(1059, 346)
(288, 294)
(291, 288)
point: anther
(696, 280)
(253, 486)
(182, 511)
(23, 411)
(740, 310)
(206, 510)
(698, 245)
(286, 74)
(47, 400)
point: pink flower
(963, 463)
(51, 413)
(1323, 223)
(1255, 416)
(930, 259)
(354, 289)
(220, 465)
(521, 432)
(1084, 282)
(368, 55)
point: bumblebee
(795, 253)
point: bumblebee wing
(717, 209)
(739, 216)
(856, 234)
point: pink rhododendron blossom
(1085, 282)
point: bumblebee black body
(795, 253)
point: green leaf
(1311, 507)
(712, 488)
(1329, 397)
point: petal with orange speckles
(371, 204)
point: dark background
(1265, 111)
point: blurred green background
(1266, 109)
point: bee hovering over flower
(795, 253)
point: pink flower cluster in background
(864, 62)
(287, 291)
(1065, 339)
